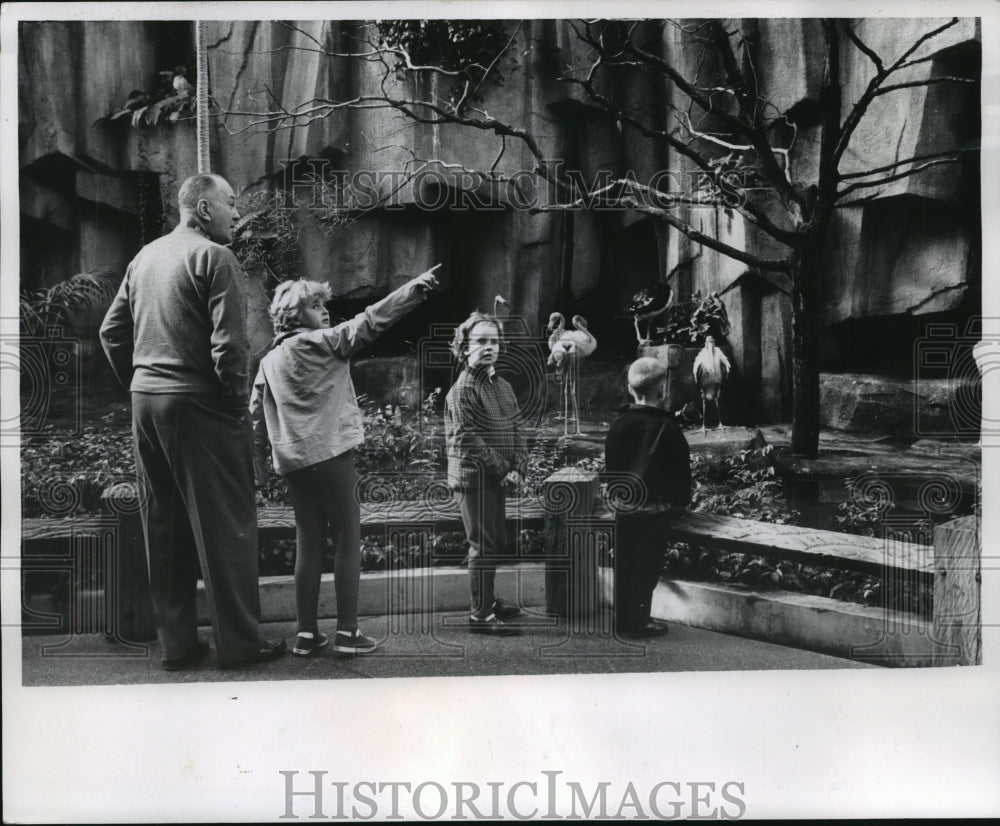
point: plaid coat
(482, 434)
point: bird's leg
(718, 409)
(565, 405)
(703, 415)
(576, 400)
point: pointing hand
(427, 280)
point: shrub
(690, 321)
(64, 474)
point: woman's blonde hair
(289, 299)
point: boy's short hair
(645, 375)
(461, 337)
(289, 299)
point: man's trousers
(193, 460)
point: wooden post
(570, 564)
(201, 97)
(129, 598)
(956, 629)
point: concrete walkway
(434, 645)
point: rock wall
(907, 248)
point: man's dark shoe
(505, 611)
(195, 657)
(650, 629)
(492, 626)
(268, 651)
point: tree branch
(756, 215)
(751, 113)
(890, 178)
(884, 90)
(915, 159)
(769, 264)
(870, 53)
(881, 75)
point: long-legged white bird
(711, 367)
(567, 349)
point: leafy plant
(76, 306)
(468, 47)
(689, 322)
(268, 238)
(64, 474)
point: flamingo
(711, 367)
(497, 301)
(580, 335)
(567, 348)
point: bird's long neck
(558, 331)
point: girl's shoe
(493, 626)
(304, 646)
(353, 642)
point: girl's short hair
(461, 337)
(289, 299)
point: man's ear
(202, 209)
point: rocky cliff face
(907, 248)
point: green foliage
(746, 486)
(63, 474)
(545, 457)
(468, 47)
(403, 453)
(268, 240)
(76, 305)
(402, 450)
(861, 514)
(690, 321)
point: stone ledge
(828, 626)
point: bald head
(209, 201)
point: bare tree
(714, 118)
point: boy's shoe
(493, 626)
(304, 646)
(353, 642)
(505, 611)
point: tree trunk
(805, 347)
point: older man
(176, 334)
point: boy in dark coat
(647, 445)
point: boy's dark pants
(193, 461)
(639, 551)
(485, 520)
